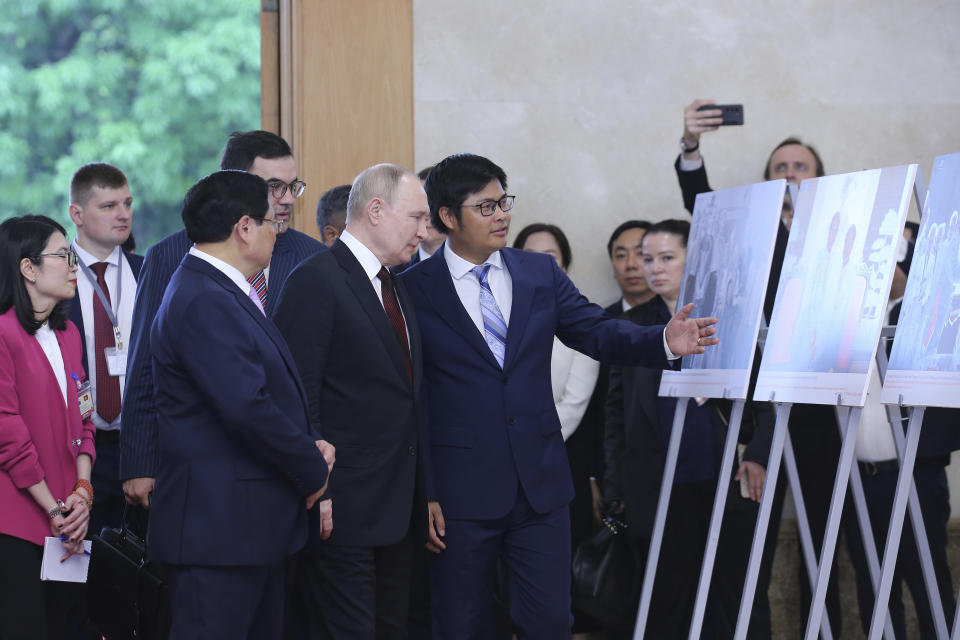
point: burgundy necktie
(392, 308)
(108, 386)
(259, 282)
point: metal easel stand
(716, 518)
(763, 519)
(905, 484)
(653, 555)
(833, 522)
(908, 456)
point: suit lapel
(195, 263)
(413, 330)
(523, 287)
(438, 287)
(280, 267)
(362, 288)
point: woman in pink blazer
(46, 446)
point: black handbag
(127, 598)
(604, 578)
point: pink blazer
(40, 435)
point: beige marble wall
(581, 102)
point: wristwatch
(57, 510)
(685, 148)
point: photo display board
(925, 361)
(834, 287)
(725, 275)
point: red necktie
(394, 315)
(259, 282)
(108, 386)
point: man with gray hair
(356, 344)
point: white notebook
(73, 569)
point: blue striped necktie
(494, 327)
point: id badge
(85, 397)
(116, 361)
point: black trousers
(934, 494)
(355, 593)
(681, 557)
(31, 609)
(816, 445)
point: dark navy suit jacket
(76, 314)
(492, 430)
(138, 437)
(360, 395)
(237, 455)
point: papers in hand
(73, 569)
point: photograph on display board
(832, 297)
(925, 359)
(725, 276)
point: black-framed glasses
(278, 224)
(487, 207)
(70, 256)
(279, 188)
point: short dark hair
(673, 226)
(94, 174)
(453, 179)
(789, 141)
(213, 205)
(914, 229)
(333, 203)
(26, 237)
(243, 147)
(626, 226)
(565, 255)
(423, 173)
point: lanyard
(111, 312)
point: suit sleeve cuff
(670, 354)
(689, 165)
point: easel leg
(895, 529)
(869, 545)
(803, 527)
(660, 521)
(833, 523)
(716, 519)
(763, 520)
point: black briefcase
(127, 598)
(604, 579)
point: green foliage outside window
(152, 86)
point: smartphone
(732, 113)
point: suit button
(512, 421)
(412, 451)
(505, 379)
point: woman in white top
(46, 446)
(573, 377)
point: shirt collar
(370, 263)
(459, 267)
(227, 269)
(88, 258)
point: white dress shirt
(235, 275)
(51, 348)
(371, 266)
(123, 307)
(573, 377)
(874, 439)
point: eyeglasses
(278, 224)
(70, 256)
(487, 207)
(279, 188)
